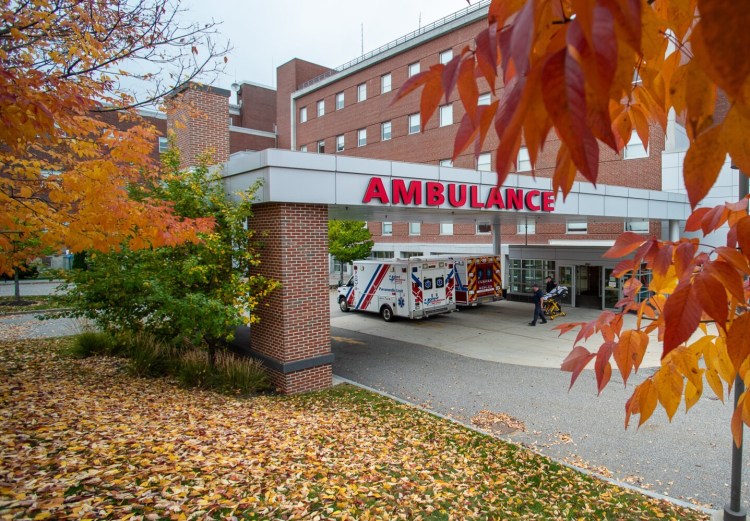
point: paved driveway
(489, 359)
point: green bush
(230, 374)
(149, 356)
(194, 370)
(240, 375)
(92, 343)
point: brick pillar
(293, 337)
(198, 116)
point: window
(634, 149)
(339, 101)
(446, 162)
(637, 226)
(321, 107)
(483, 228)
(523, 273)
(381, 254)
(163, 145)
(524, 162)
(413, 123)
(361, 137)
(387, 228)
(446, 56)
(446, 115)
(321, 147)
(576, 227)
(385, 83)
(446, 228)
(409, 254)
(303, 148)
(303, 114)
(415, 228)
(385, 131)
(339, 143)
(413, 69)
(526, 228)
(361, 92)
(484, 162)
(484, 99)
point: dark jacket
(537, 297)
(550, 286)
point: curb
(32, 312)
(621, 484)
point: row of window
(445, 228)
(386, 85)
(386, 129)
(633, 150)
(572, 227)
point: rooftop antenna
(362, 39)
(420, 20)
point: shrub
(240, 375)
(92, 343)
(230, 374)
(149, 356)
(194, 370)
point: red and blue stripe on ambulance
(372, 286)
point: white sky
(267, 33)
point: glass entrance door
(611, 293)
(566, 277)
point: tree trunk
(17, 284)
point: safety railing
(395, 43)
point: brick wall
(288, 77)
(199, 118)
(239, 142)
(294, 320)
(258, 107)
(124, 121)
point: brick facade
(294, 320)
(199, 117)
(435, 143)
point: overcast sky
(267, 33)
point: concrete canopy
(342, 182)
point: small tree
(349, 241)
(197, 292)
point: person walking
(551, 284)
(537, 300)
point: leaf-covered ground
(80, 439)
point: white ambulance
(478, 279)
(413, 288)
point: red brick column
(293, 337)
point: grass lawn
(28, 303)
(80, 439)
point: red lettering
(495, 199)
(411, 196)
(452, 199)
(375, 190)
(530, 200)
(548, 201)
(435, 195)
(514, 199)
(475, 202)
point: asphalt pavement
(688, 459)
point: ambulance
(411, 288)
(478, 279)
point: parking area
(496, 332)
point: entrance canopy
(372, 189)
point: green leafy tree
(195, 292)
(349, 241)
